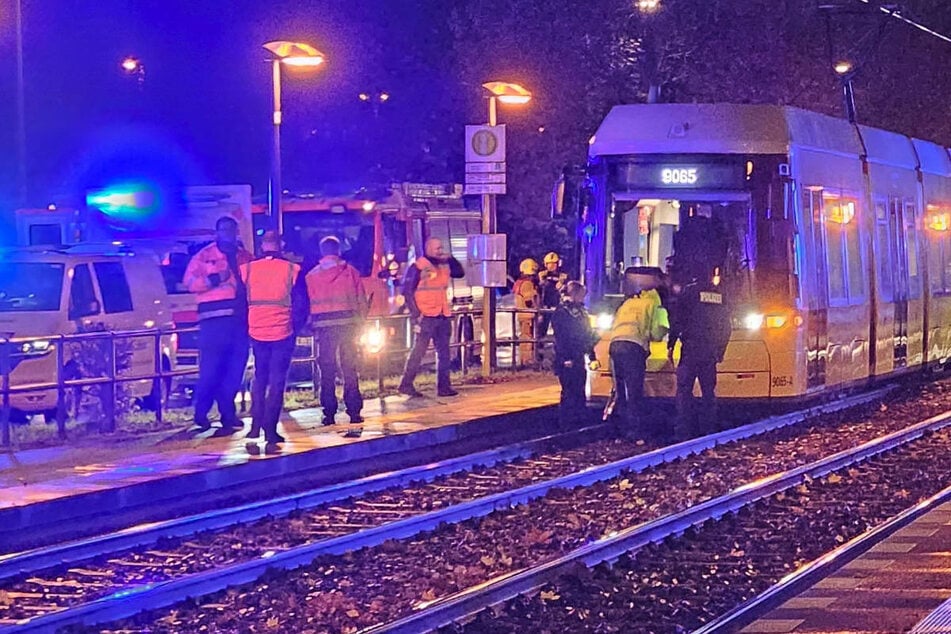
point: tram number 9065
(679, 176)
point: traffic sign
(485, 188)
(484, 167)
(494, 177)
(485, 144)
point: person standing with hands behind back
(424, 288)
(574, 338)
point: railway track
(160, 575)
(341, 556)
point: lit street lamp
(134, 67)
(508, 94)
(298, 55)
(846, 72)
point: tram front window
(691, 239)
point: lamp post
(508, 94)
(846, 72)
(135, 68)
(21, 109)
(298, 55)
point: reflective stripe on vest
(431, 298)
(335, 289)
(280, 298)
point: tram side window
(940, 251)
(846, 274)
(883, 252)
(911, 247)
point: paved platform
(69, 481)
(890, 588)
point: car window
(116, 297)
(82, 295)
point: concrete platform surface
(889, 589)
(46, 475)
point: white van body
(45, 293)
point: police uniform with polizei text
(701, 321)
(270, 284)
(337, 309)
(213, 276)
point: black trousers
(339, 341)
(438, 330)
(573, 403)
(271, 361)
(222, 358)
(696, 366)
(628, 365)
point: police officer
(424, 287)
(701, 321)
(638, 321)
(338, 306)
(213, 275)
(574, 338)
(270, 285)
(551, 285)
(525, 291)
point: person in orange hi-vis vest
(270, 284)
(425, 288)
(338, 306)
(213, 275)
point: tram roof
(754, 129)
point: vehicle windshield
(30, 286)
(303, 231)
(691, 239)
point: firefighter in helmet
(551, 285)
(526, 298)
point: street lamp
(846, 72)
(298, 55)
(134, 67)
(508, 94)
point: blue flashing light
(127, 201)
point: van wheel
(160, 387)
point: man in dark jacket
(701, 320)
(574, 338)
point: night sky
(203, 111)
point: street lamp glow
(507, 93)
(296, 53)
(843, 67)
(648, 6)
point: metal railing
(113, 355)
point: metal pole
(22, 187)
(849, 97)
(488, 294)
(61, 412)
(5, 386)
(276, 190)
(157, 352)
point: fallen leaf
(834, 479)
(625, 484)
(272, 623)
(487, 561)
(549, 595)
(353, 613)
(429, 595)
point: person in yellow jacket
(425, 288)
(638, 321)
(269, 281)
(213, 276)
(525, 291)
(338, 306)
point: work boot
(255, 432)
(328, 419)
(272, 448)
(447, 392)
(276, 439)
(356, 418)
(409, 391)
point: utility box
(486, 260)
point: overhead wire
(894, 13)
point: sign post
(485, 175)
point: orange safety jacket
(336, 293)
(270, 284)
(431, 292)
(219, 300)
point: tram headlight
(753, 321)
(373, 339)
(602, 321)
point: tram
(832, 239)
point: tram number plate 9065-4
(782, 381)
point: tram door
(898, 255)
(817, 284)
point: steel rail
(467, 603)
(130, 601)
(806, 576)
